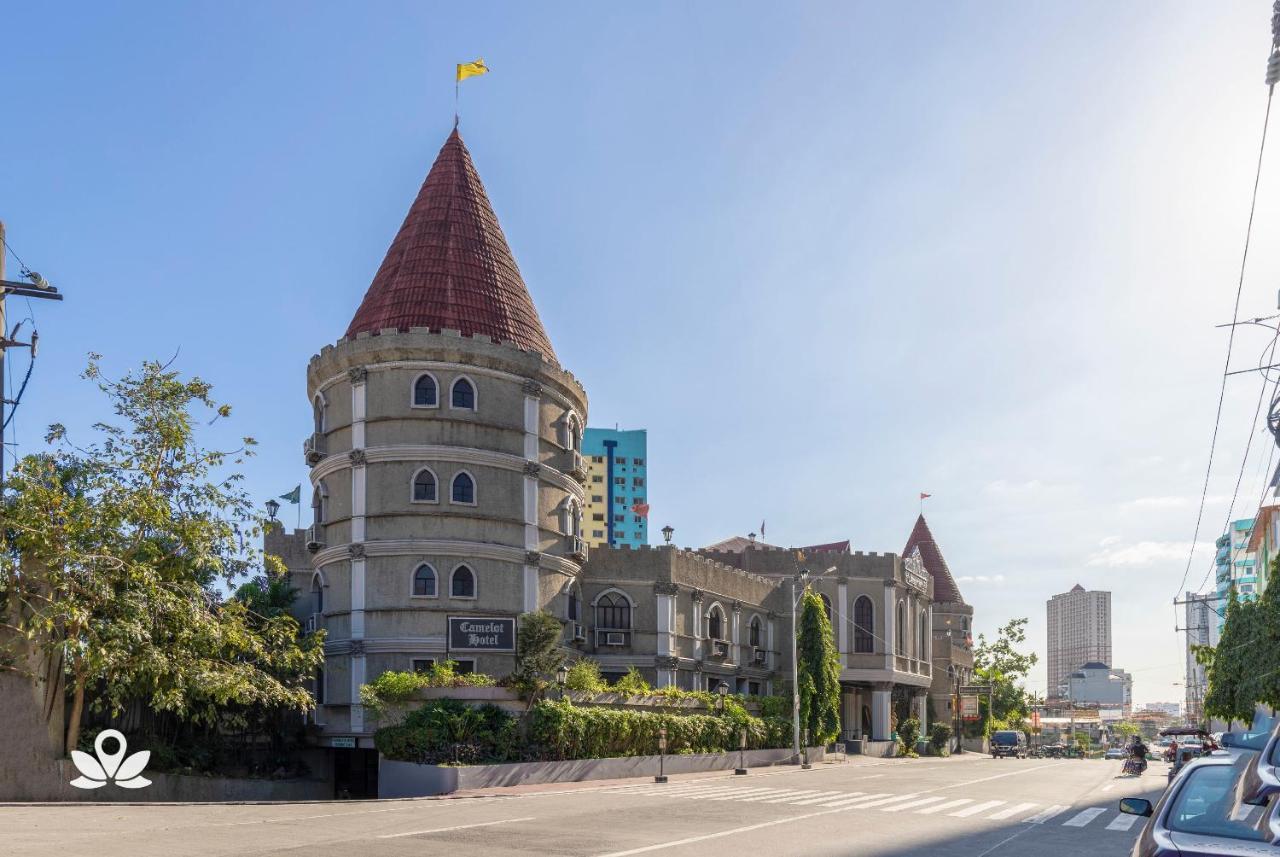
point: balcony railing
(578, 548)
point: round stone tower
(446, 455)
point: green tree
(113, 554)
(818, 672)
(1125, 730)
(1234, 666)
(1001, 665)
(538, 653)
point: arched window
(424, 486)
(462, 584)
(570, 517)
(613, 612)
(317, 593)
(901, 636)
(572, 607)
(425, 392)
(319, 503)
(753, 635)
(463, 395)
(826, 605)
(464, 489)
(864, 623)
(568, 431)
(424, 581)
(715, 623)
(921, 628)
(317, 413)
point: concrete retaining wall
(53, 784)
(406, 779)
(880, 749)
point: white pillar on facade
(736, 653)
(532, 541)
(890, 626)
(665, 609)
(359, 491)
(771, 660)
(840, 615)
(696, 603)
(881, 699)
(922, 713)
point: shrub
(584, 676)
(940, 739)
(633, 684)
(909, 735)
(396, 687)
(446, 731)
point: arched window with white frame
(613, 611)
(319, 503)
(463, 489)
(426, 391)
(425, 487)
(715, 622)
(901, 635)
(570, 517)
(462, 583)
(317, 593)
(462, 395)
(569, 432)
(424, 581)
(921, 630)
(755, 635)
(318, 413)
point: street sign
(969, 707)
(481, 634)
(980, 689)
(343, 742)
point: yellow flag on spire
(471, 69)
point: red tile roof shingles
(450, 267)
(944, 585)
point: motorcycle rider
(1138, 752)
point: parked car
(1200, 814)
(1116, 753)
(1009, 742)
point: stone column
(532, 539)
(734, 651)
(665, 598)
(771, 660)
(358, 377)
(666, 667)
(841, 615)
(921, 704)
(696, 631)
(890, 625)
(881, 700)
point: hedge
(447, 731)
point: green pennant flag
(294, 496)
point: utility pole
(36, 287)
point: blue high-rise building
(617, 489)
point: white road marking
(884, 801)
(737, 794)
(794, 795)
(455, 827)
(823, 796)
(845, 801)
(975, 809)
(1012, 811)
(773, 793)
(914, 804)
(1108, 787)
(1042, 817)
(708, 793)
(1123, 822)
(952, 804)
(1083, 817)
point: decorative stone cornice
(357, 374)
(532, 557)
(772, 616)
(357, 550)
(666, 662)
(358, 458)
(357, 648)
(737, 607)
(696, 595)
(662, 587)
(532, 468)
(697, 666)
(531, 388)
(445, 547)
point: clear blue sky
(845, 252)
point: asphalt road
(971, 806)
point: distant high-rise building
(1235, 565)
(1095, 683)
(1172, 709)
(617, 493)
(1079, 633)
(1202, 624)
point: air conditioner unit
(313, 449)
(315, 537)
(615, 638)
(578, 547)
(719, 648)
(579, 633)
(759, 656)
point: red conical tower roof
(450, 267)
(944, 585)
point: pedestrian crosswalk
(920, 803)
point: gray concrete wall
(406, 779)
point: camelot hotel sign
(481, 634)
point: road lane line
(1012, 811)
(775, 794)
(1042, 817)
(845, 801)
(821, 796)
(1083, 817)
(1108, 787)
(975, 809)
(930, 810)
(455, 827)
(914, 804)
(738, 794)
(885, 801)
(707, 793)
(1123, 822)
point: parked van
(1009, 742)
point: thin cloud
(981, 578)
(1116, 555)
